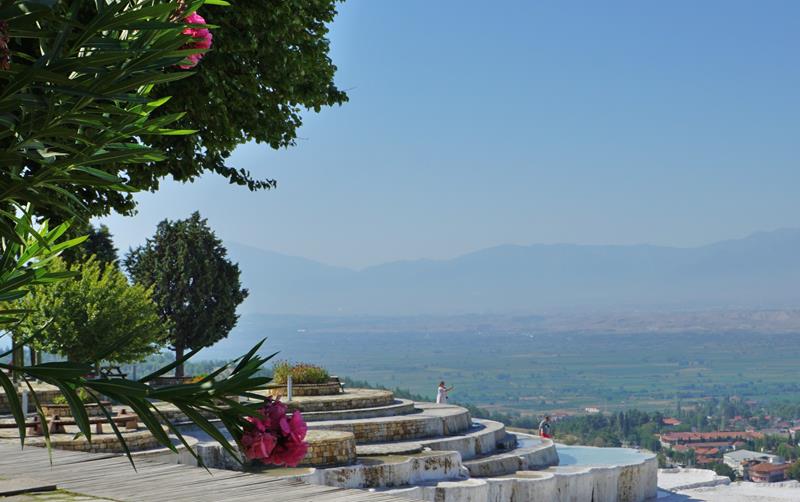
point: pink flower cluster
(274, 438)
(202, 39)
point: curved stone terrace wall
(350, 399)
(325, 449)
(101, 443)
(632, 481)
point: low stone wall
(45, 396)
(63, 410)
(399, 407)
(164, 381)
(105, 443)
(306, 389)
(327, 448)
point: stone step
(350, 399)
(398, 407)
(538, 456)
(432, 421)
(484, 437)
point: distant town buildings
(724, 439)
(671, 422)
(767, 472)
(741, 460)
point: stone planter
(306, 389)
(63, 411)
(164, 381)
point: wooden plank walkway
(112, 477)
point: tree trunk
(17, 358)
(33, 356)
(179, 355)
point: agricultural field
(534, 372)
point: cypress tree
(195, 285)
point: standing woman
(545, 428)
(441, 393)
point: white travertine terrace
(433, 452)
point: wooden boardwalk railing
(111, 476)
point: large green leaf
(14, 405)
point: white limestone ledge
(538, 456)
(391, 471)
(431, 422)
(687, 479)
(482, 438)
(619, 483)
(628, 483)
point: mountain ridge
(759, 270)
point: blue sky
(472, 124)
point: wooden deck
(112, 477)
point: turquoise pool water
(588, 455)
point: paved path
(112, 477)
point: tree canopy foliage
(98, 315)
(99, 243)
(793, 472)
(268, 64)
(195, 285)
(76, 113)
(75, 105)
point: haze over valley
(761, 271)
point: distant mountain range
(759, 271)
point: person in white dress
(441, 393)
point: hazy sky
(472, 124)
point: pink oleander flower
(258, 444)
(289, 453)
(275, 438)
(202, 39)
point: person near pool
(545, 428)
(441, 393)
